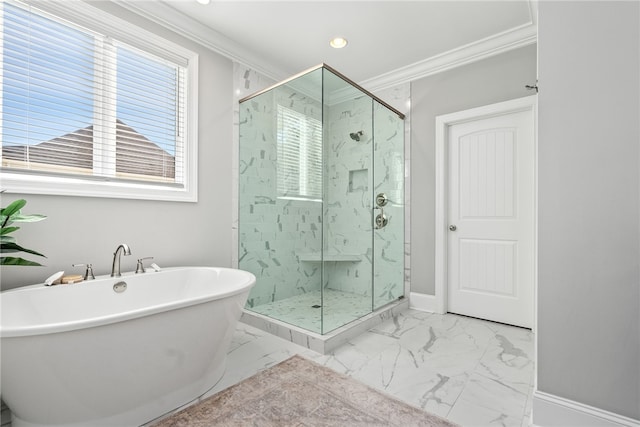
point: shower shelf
(315, 257)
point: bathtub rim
(248, 280)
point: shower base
(305, 310)
(297, 318)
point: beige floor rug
(299, 392)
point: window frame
(51, 183)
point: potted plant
(8, 244)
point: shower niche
(316, 154)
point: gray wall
(492, 80)
(80, 229)
(588, 285)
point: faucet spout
(115, 266)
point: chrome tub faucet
(115, 266)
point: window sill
(69, 186)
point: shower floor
(339, 309)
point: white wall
(589, 236)
(81, 229)
(495, 79)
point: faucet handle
(88, 273)
(140, 266)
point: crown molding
(490, 46)
(163, 14)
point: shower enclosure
(321, 210)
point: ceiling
(389, 41)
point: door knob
(453, 228)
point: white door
(491, 218)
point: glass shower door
(348, 171)
(388, 199)
(280, 201)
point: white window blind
(299, 139)
(79, 103)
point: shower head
(356, 135)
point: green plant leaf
(8, 260)
(13, 208)
(7, 239)
(6, 230)
(27, 218)
(14, 247)
(8, 244)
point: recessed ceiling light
(203, 1)
(338, 42)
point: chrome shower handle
(382, 199)
(381, 219)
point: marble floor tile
(470, 371)
(507, 362)
(397, 372)
(489, 402)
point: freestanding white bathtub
(86, 355)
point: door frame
(443, 123)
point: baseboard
(554, 411)
(422, 302)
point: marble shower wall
(274, 232)
(348, 187)
(246, 82)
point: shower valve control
(381, 220)
(381, 199)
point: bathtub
(86, 355)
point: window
(106, 111)
(299, 141)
